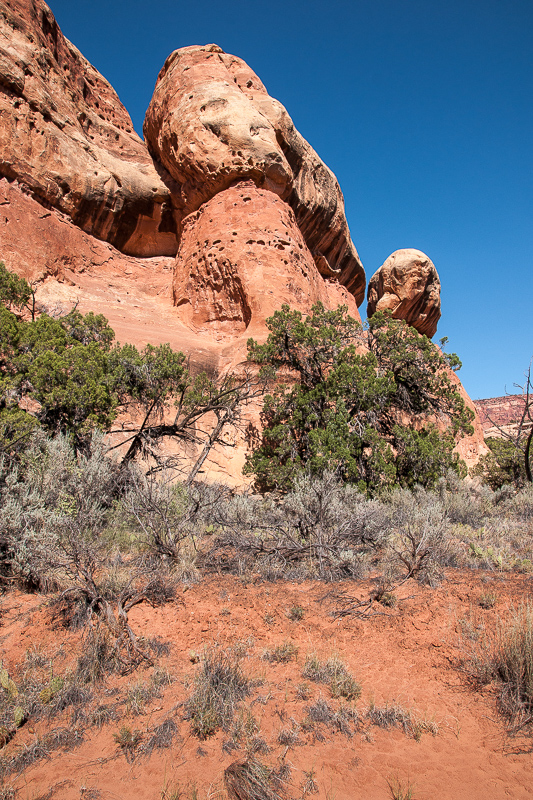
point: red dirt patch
(409, 655)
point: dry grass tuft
(334, 674)
(282, 653)
(252, 780)
(219, 687)
(504, 654)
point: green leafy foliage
(68, 377)
(362, 402)
(504, 464)
(15, 292)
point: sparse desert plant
(488, 599)
(384, 594)
(345, 719)
(309, 784)
(218, 688)
(160, 512)
(162, 737)
(295, 613)
(303, 691)
(282, 653)
(55, 506)
(334, 674)
(418, 544)
(98, 656)
(252, 780)
(464, 502)
(504, 653)
(390, 715)
(290, 735)
(322, 527)
(128, 740)
(400, 790)
(41, 747)
(172, 791)
(243, 730)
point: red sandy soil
(410, 656)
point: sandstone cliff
(193, 237)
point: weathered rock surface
(70, 267)
(408, 285)
(242, 256)
(502, 413)
(94, 219)
(211, 122)
(65, 135)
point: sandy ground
(408, 655)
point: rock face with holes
(211, 122)
(242, 256)
(408, 285)
(194, 237)
(66, 137)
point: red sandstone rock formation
(211, 122)
(66, 137)
(94, 216)
(408, 285)
(501, 413)
(242, 256)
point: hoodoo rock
(67, 139)
(408, 285)
(193, 237)
(242, 256)
(211, 122)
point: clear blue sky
(424, 111)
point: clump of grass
(158, 647)
(390, 716)
(252, 780)
(102, 714)
(141, 693)
(505, 654)
(90, 793)
(218, 688)
(334, 673)
(309, 784)
(399, 791)
(243, 729)
(290, 736)
(282, 653)
(162, 737)
(296, 613)
(303, 691)
(344, 719)
(393, 715)
(386, 597)
(172, 792)
(41, 747)
(99, 656)
(488, 599)
(128, 740)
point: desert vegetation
(355, 487)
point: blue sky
(422, 109)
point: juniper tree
(374, 403)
